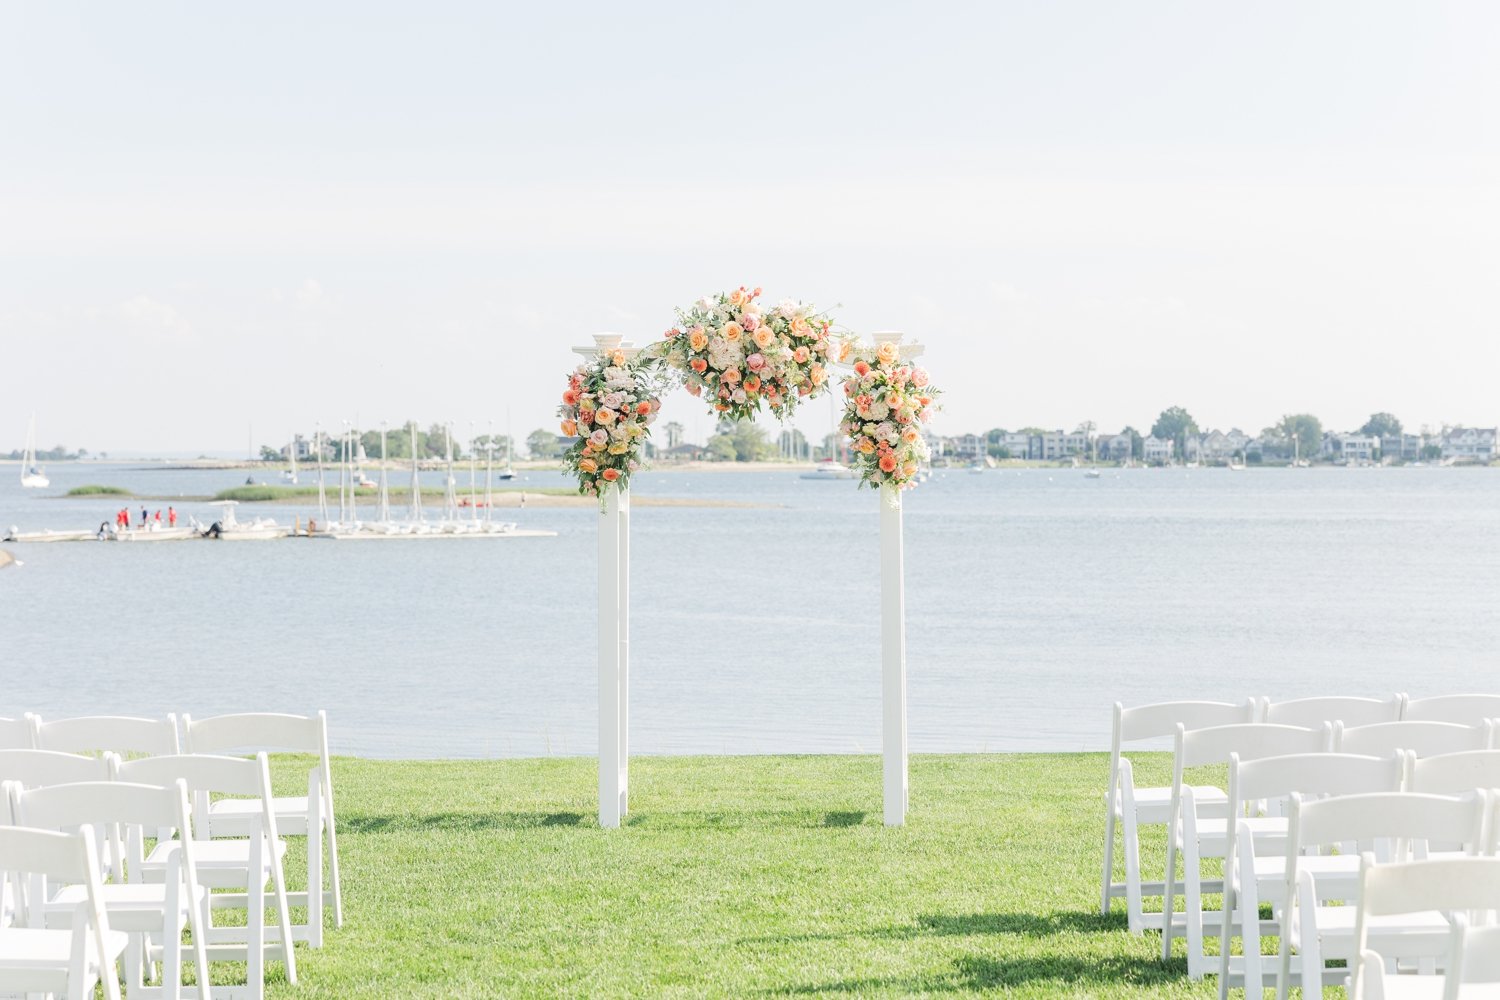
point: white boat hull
(154, 535)
(81, 535)
(35, 481)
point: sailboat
(829, 468)
(509, 472)
(1093, 469)
(32, 477)
(289, 476)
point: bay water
(1035, 599)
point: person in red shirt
(171, 517)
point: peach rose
(800, 327)
(618, 358)
(752, 384)
(800, 355)
(697, 340)
(888, 353)
(763, 337)
(570, 397)
(619, 448)
(570, 427)
(861, 369)
(610, 475)
(694, 389)
(909, 469)
(888, 463)
(731, 376)
(817, 374)
(909, 435)
(585, 417)
(919, 377)
(721, 407)
(587, 465)
(605, 416)
(732, 331)
(738, 297)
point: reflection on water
(1035, 598)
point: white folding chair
(1397, 826)
(1313, 712)
(244, 865)
(35, 768)
(309, 816)
(34, 959)
(1464, 709)
(1198, 836)
(154, 915)
(1423, 738)
(1436, 890)
(15, 734)
(1255, 868)
(1133, 807)
(125, 735)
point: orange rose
(587, 465)
(698, 365)
(642, 408)
(605, 416)
(697, 340)
(861, 369)
(817, 374)
(585, 417)
(887, 463)
(618, 358)
(570, 397)
(721, 407)
(610, 474)
(570, 427)
(752, 384)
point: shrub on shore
(94, 489)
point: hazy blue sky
(278, 213)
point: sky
(220, 225)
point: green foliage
(733, 877)
(543, 443)
(1431, 452)
(1305, 431)
(1381, 425)
(1137, 443)
(96, 490)
(1175, 424)
(721, 447)
(269, 454)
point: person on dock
(157, 525)
(144, 516)
(104, 528)
(171, 517)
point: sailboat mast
(385, 496)
(451, 497)
(416, 477)
(473, 488)
(489, 477)
(322, 491)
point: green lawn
(734, 876)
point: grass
(733, 877)
(94, 489)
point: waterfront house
(1115, 447)
(1469, 444)
(1157, 451)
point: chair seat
(1213, 833)
(1328, 870)
(221, 863)
(1410, 935)
(1422, 988)
(234, 817)
(27, 951)
(132, 906)
(1152, 805)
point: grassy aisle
(735, 876)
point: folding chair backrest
(1145, 722)
(1425, 739)
(253, 731)
(1250, 740)
(200, 772)
(1452, 773)
(120, 733)
(34, 768)
(1313, 712)
(68, 857)
(1390, 816)
(141, 810)
(1464, 709)
(15, 734)
(1312, 774)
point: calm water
(1035, 599)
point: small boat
(229, 529)
(1236, 466)
(82, 535)
(32, 476)
(1092, 474)
(829, 470)
(151, 533)
(289, 475)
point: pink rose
(750, 321)
(599, 439)
(756, 362)
(919, 377)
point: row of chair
(216, 827)
(1272, 764)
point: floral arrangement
(609, 405)
(887, 401)
(742, 354)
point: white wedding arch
(614, 623)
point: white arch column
(614, 631)
(893, 634)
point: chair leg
(314, 887)
(333, 869)
(1109, 852)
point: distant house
(1157, 451)
(970, 446)
(1115, 447)
(1406, 447)
(682, 453)
(1352, 447)
(1019, 445)
(1469, 444)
